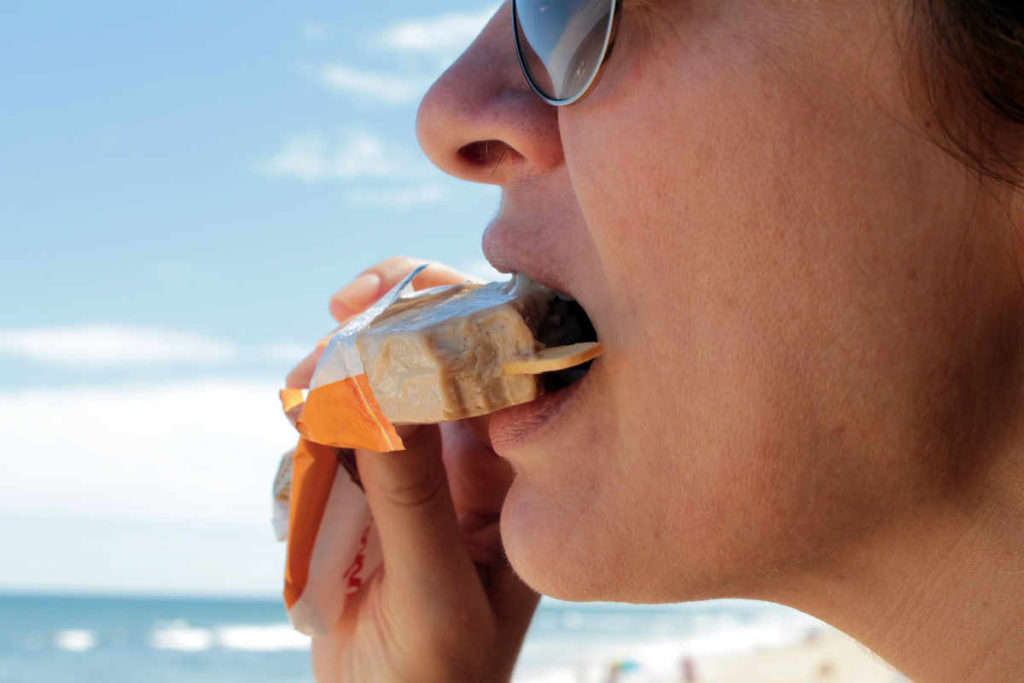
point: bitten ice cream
(438, 355)
(442, 355)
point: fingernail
(358, 294)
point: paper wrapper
(333, 547)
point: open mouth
(563, 329)
(566, 323)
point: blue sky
(183, 187)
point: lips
(512, 427)
(565, 323)
(543, 266)
(540, 233)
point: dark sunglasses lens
(561, 42)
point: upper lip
(506, 257)
(549, 280)
(550, 283)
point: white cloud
(202, 450)
(134, 487)
(400, 196)
(113, 345)
(444, 35)
(130, 553)
(314, 31)
(354, 155)
(284, 352)
(387, 88)
(110, 346)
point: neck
(941, 595)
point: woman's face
(795, 290)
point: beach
(725, 641)
(826, 655)
(822, 656)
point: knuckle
(299, 376)
(397, 264)
(444, 647)
(415, 489)
(293, 380)
(401, 266)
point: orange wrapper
(333, 548)
(345, 414)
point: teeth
(520, 283)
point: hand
(446, 606)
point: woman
(798, 229)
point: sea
(117, 639)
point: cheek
(694, 450)
(635, 506)
(771, 351)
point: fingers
(356, 296)
(477, 476)
(513, 603)
(376, 280)
(359, 294)
(302, 373)
(408, 494)
(479, 480)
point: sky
(182, 188)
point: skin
(813, 389)
(446, 606)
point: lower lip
(516, 425)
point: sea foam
(75, 640)
(261, 638)
(178, 635)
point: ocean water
(60, 638)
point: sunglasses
(562, 44)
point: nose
(481, 122)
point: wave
(75, 639)
(261, 638)
(178, 635)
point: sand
(825, 656)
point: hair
(972, 59)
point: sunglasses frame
(606, 50)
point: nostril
(487, 153)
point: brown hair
(972, 54)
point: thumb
(408, 494)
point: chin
(563, 547)
(542, 548)
(568, 551)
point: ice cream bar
(414, 357)
(434, 356)
(439, 356)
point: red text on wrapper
(352, 575)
